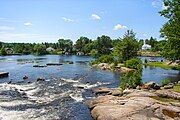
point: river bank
(141, 103)
(165, 65)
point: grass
(161, 99)
(176, 88)
(162, 65)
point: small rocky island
(146, 102)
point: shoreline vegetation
(133, 99)
(165, 65)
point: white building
(146, 46)
(50, 49)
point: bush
(103, 59)
(94, 53)
(165, 81)
(145, 61)
(134, 63)
(3, 51)
(131, 79)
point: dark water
(61, 96)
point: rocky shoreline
(142, 103)
(119, 68)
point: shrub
(104, 59)
(165, 81)
(94, 53)
(3, 51)
(134, 63)
(131, 79)
(145, 61)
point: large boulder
(137, 105)
(150, 85)
(108, 91)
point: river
(61, 96)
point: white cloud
(67, 19)
(158, 4)
(95, 17)
(119, 27)
(6, 28)
(28, 24)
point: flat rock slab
(137, 105)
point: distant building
(9, 50)
(146, 46)
(80, 53)
(50, 49)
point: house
(9, 50)
(146, 46)
(50, 49)
(79, 53)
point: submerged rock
(40, 79)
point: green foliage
(103, 44)
(3, 51)
(40, 49)
(83, 44)
(171, 30)
(94, 53)
(0, 44)
(127, 48)
(163, 65)
(134, 63)
(176, 88)
(165, 81)
(65, 45)
(104, 59)
(131, 79)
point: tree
(103, 44)
(0, 45)
(40, 49)
(128, 47)
(171, 30)
(81, 43)
(66, 45)
(3, 51)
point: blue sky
(49, 20)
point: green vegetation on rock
(133, 78)
(163, 65)
(176, 88)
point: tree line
(122, 48)
(103, 45)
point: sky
(39, 21)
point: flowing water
(62, 94)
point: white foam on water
(69, 80)
(77, 97)
(29, 113)
(89, 86)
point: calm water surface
(61, 96)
